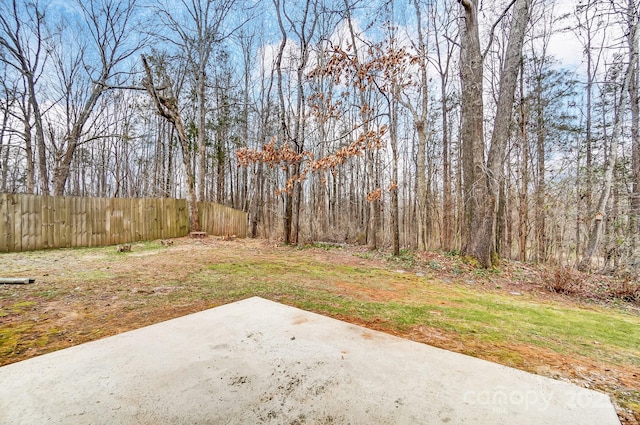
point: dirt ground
(85, 294)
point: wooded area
(31, 222)
(498, 129)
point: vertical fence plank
(11, 225)
(113, 222)
(56, 230)
(48, 229)
(183, 217)
(106, 216)
(66, 224)
(159, 219)
(45, 221)
(96, 213)
(154, 232)
(35, 223)
(25, 209)
(29, 231)
(16, 212)
(83, 228)
(89, 204)
(51, 206)
(4, 224)
(75, 223)
(120, 222)
(101, 214)
(136, 223)
(171, 205)
(126, 221)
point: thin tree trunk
(28, 151)
(634, 216)
(284, 132)
(393, 135)
(373, 211)
(447, 197)
(202, 140)
(419, 120)
(4, 148)
(597, 225)
(257, 203)
(43, 171)
(541, 236)
(523, 211)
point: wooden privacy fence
(218, 220)
(31, 222)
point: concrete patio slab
(257, 361)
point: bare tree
(292, 131)
(482, 180)
(419, 116)
(110, 28)
(589, 30)
(634, 97)
(198, 28)
(599, 220)
(23, 35)
(167, 106)
(445, 45)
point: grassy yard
(502, 315)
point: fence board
(35, 227)
(45, 220)
(4, 225)
(16, 213)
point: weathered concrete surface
(256, 361)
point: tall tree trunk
(393, 136)
(202, 139)
(588, 184)
(483, 189)
(421, 183)
(4, 148)
(43, 171)
(634, 98)
(419, 121)
(541, 236)
(523, 211)
(284, 131)
(256, 205)
(447, 197)
(28, 151)
(471, 132)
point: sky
(565, 46)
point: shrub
(562, 280)
(627, 290)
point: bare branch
(493, 27)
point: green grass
(484, 316)
(17, 308)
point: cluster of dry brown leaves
(271, 155)
(285, 156)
